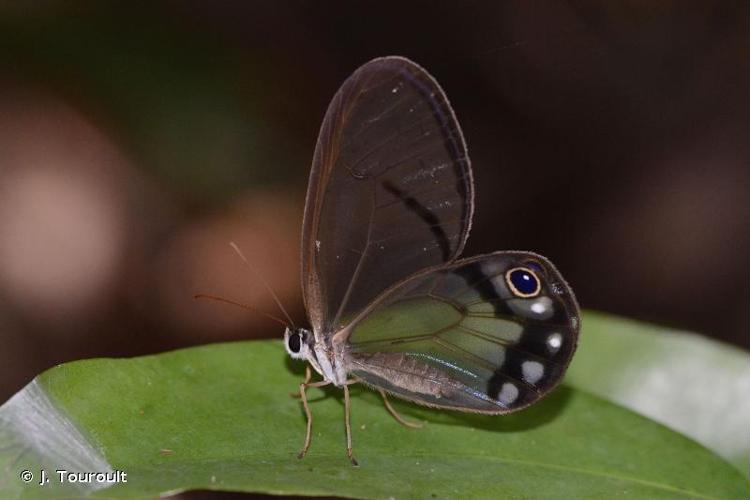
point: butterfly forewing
(390, 190)
(460, 336)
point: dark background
(137, 140)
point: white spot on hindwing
(533, 371)
(554, 342)
(541, 305)
(508, 394)
(317, 245)
(537, 307)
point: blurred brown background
(137, 140)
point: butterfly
(389, 207)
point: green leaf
(220, 417)
(693, 385)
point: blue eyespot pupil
(524, 281)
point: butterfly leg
(347, 419)
(394, 413)
(308, 376)
(303, 396)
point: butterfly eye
(294, 342)
(523, 282)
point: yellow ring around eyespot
(515, 290)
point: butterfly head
(298, 342)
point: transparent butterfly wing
(390, 190)
(458, 337)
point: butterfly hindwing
(478, 334)
(390, 190)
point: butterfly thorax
(323, 356)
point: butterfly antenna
(244, 306)
(265, 283)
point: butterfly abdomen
(400, 371)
